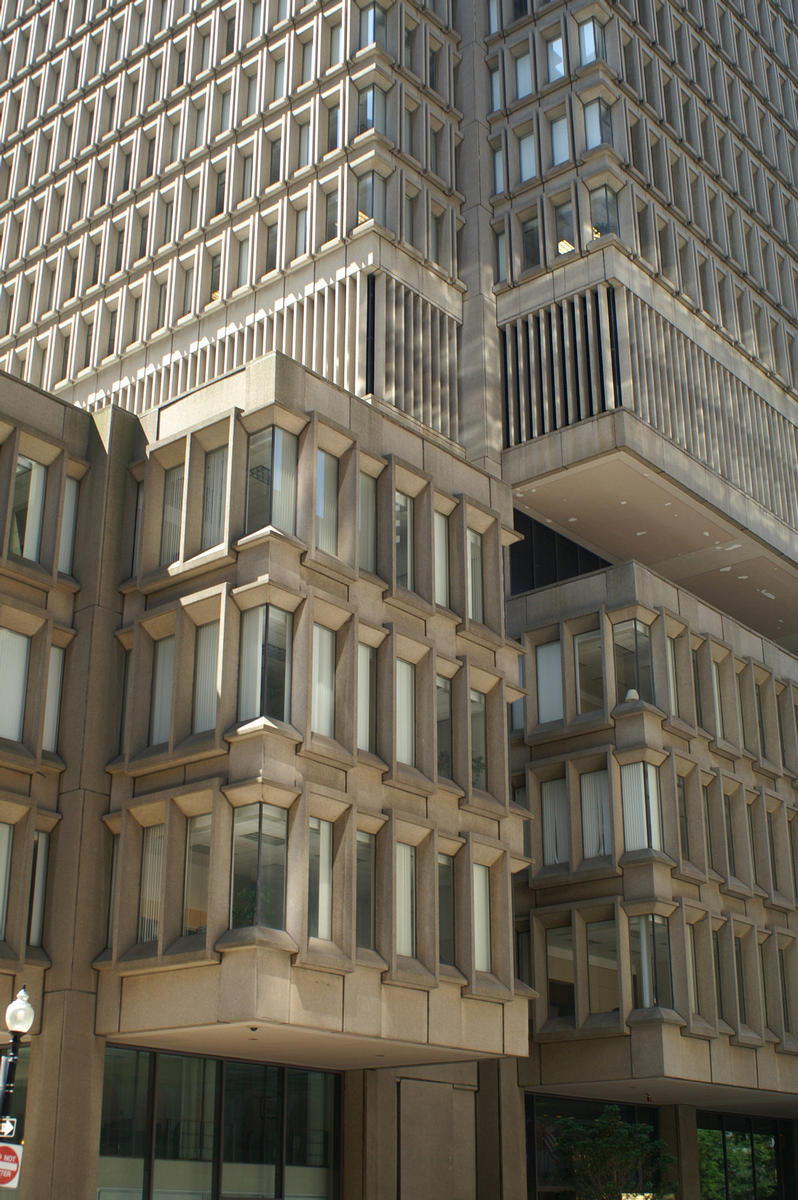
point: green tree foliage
(608, 1158)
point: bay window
(642, 813)
(371, 109)
(373, 24)
(604, 212)
(554, 812)
(259, 866)
(206, 657)
(27, 508)
(197, 876)
(322, 714)
(152, 847)
(271, 480)
(598, 124)
(320, 878)
(14, 657)
(596, 827)
(264, 686)
(591, 41)
(649, 947)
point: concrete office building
(353, 316)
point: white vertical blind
(596, 840)
(641, 808)
(172, 510)
(482, 956)
(52, 707)
(405, 900)
(441, 534)
(163, 663)
(405, 712)
(284, 480)
(14, 653)
(253, 636)
(327, 502)
(548, 660)
(213, 497)
(325, 830)
(554, 802)
(322, 716)
(41, 847)
(66, 545)
(152, 839)
(206, 655)
(474, 599)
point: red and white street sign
(10, 1162)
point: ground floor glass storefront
(743, 1158)
(191, 1128)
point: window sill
(260, 725)
(655, 1016)
(370, 960)
(476, 631)
(725, 749)
(409, 601)
(487, 986)
(484, 804)
(321, 955)
(326, 750)
(260, 537)
(328, 564)
(410, 973)
(17, 756)
(255, 937)
(163, 577)
(410, 778)
(699, 1027)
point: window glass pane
(311, 1135)
(366, 698)
(482, 955)
(548, 660)
(27, 508)
(446, 909)
(554, 806)
(320, 866)
(163, 655)
(589, 672)
(367, 528)
(560, 151)
(52, 709)
(441, 533)
(523, 75)
(560, 971)
(405, 900)
(271, 480)
(556, 62)
(259, 858)
(633, 660)
(213, 497)
(403, 534)
(602, 966)
(185, 1101)
(327, 502)
(124, 1122)
(405, 712)
(152, 840)
(38, 884)
(66, 544)
(475, 594)
(649, 947)
(265, 664)
(206, 657)
(596, 832)
(479, 741)
(642, 822)
(14, 653)
(526, 149)
(564, 227)
(252, 1131)
(198, 852)
(6, 836)
(322, 717)
(365, 851)
(172, 508)
(443, 693)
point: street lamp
(19, 1018)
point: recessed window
(554, 811)
(560, 149)
(403, 538)
(591, 41)
(479, 740)
(52, 708)
(365, 889)
(172, 514)
(564, 227)
(366, 698)
(482, 954)
(633, 661)
(443, 707)
(405, 712)
(523, 75)
(14, 657)
(322, 716)
(602, 966)
(642, 815)
(595, 802)
(555, 59)
(373, 23)
(475, 594)
(265, 664)
(152, 847)
(548, 670)
(327, 502)
(27, 508)
(6, 839)
(271, 480)
(320, 878)
(163, 661)
(367, 523)
(198, 857)
(446, 921)
(560, 971)
(589, 672)
(405, 900)
(598, 124)
(371, 198)
(649, 947)
(441, 565)
(500, 240)
(603, 211)
(206, 658)
(526, 152)
(259, 866)
(530, 243)
(213, 497)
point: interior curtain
(152, 840)
(554, 802)
(206, 656)
(595, 814)
(213, 497)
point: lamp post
(19, 1018)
